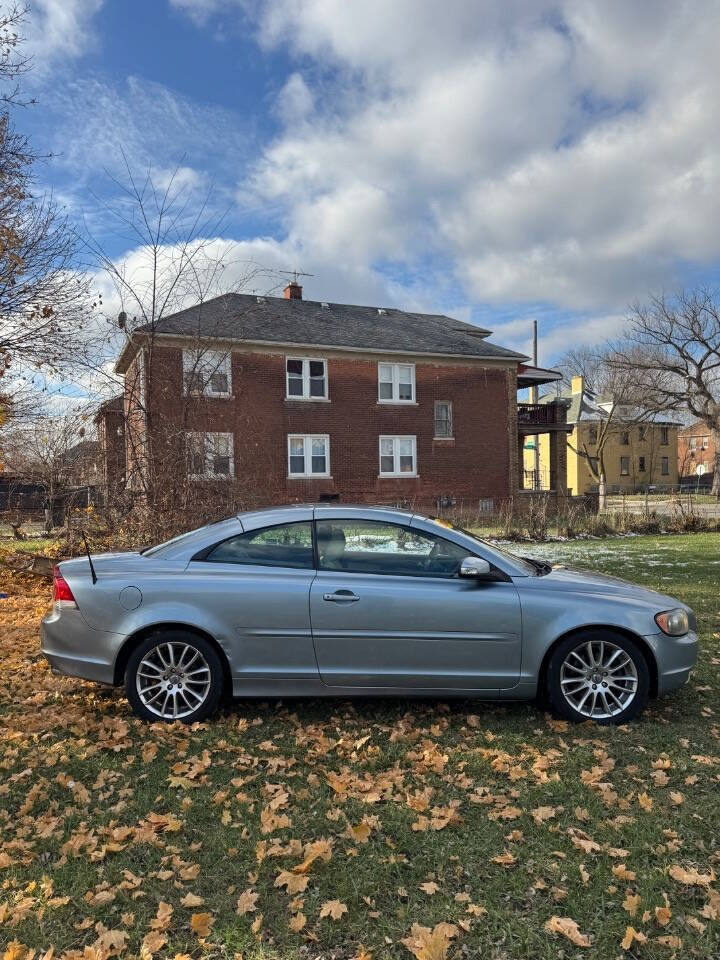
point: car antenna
(87, 551)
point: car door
(388, 610)
(257, 584)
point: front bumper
(73, 649)
(675, 658)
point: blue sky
(501, 161)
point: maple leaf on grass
(427, 944)
(567, 927)
(333, 909)
(201, 924)
(247, 902)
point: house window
(642, 433)
(210, 456)
(625, 438)
(693, 444)
(665, 466)
(398, 457)
(306, 379)
(664, 436)
(443, 419)
(592, 434)
(641, 464)
(396, 382)
(705, 442)
(624, 466)
(206, 373)
(308, 455)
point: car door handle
(341, 596)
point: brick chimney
(293, 291)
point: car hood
(569, 580)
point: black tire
(554, 689)
(206, 652)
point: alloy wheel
(173, 680)
(598, 679)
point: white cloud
(59, 29)
(295, 101)
(563, 151)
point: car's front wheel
(600, 676)
(174, 675)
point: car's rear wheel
(600, 676)
(174, 675)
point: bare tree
(45, 452)
(175, 262)
(673, 354)
(611, 392)
(44, 296)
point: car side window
(370, 546)
(285, 545)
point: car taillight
(61, 588)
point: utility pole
(534, 399)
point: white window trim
(307, 452)
(214, 476)
(218, 360)
(396, 383)
(306, 379)
(396, 456)
(443, 436)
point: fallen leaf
(631, 936)
(427, 944)
(691, 877)
(201, 924)
(567, 928)
(247, 902)
(333, 909)
(430, 887)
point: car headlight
(674, 623)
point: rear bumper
(73, 649)
(675, 658)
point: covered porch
(546, 420)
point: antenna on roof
(294, 274)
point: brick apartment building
(696, 449)
(290, 400)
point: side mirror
(474, 567)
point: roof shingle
(309, 322)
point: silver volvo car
(332, 600)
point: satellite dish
(700, 469)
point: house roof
(85, 449)
(529, 376)
(695, 429)
(587, 406)
(254, 319)
(114, 405)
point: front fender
(545, 619)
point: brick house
(279, 400)
(696, 449)
(110, 424)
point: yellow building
(634, 455)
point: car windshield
(533, 568)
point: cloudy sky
(498, 161)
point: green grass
(31, 545)
(490, 764)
